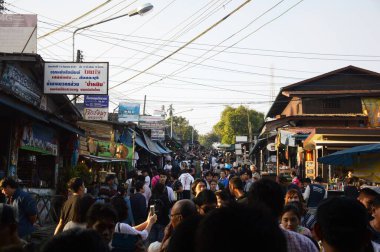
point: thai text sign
(96, 101)
(76, 78)
(95, 114)
(129, 112)
(18, 33)
(21, 85)
(152, 122)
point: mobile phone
(152, 210)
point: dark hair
(80, 210)
(118, 202)
(74, 184)
(99, 211)
(237, 183)
(342, 223)
(205, 197)
(76, 240)
(8, 181)
(223, 195)
(367, 192)
(7, 215)
(291, 207)
(306, 180)
(293, 173)
(269, 193)
(140, 178)
(109, 177)
(196, 182)
(208, 173)
(139, 185)
(158, 190)
(256, 228)
(318, 179)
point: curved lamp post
(138, 11)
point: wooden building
(318, 116)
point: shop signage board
(38, 138)
(18, 33)
(152, 122)
(129, 112)
(96, 107)
(310, 169)
(157, 134)
(241, 139)
(19, 84)
(96, 101)
(73, 78)
(95, 114)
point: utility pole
(144, 104)
(171, 119)
(79, 59)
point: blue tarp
(347, 157)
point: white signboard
(241, 139)
(76, 78)
(18, 33)
(95, 114)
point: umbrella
(347, 157)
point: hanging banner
(128, 112)
(76, 78)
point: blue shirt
(224, 182)
(25, 206)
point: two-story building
(318, 116)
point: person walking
(186, 180)
(77, 188)
(23, 203)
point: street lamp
(138, 11)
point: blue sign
(96, 101)
(129, 112)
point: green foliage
(80, 170)
(208, 139)
(182, 128)
(234, 122)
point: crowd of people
(198, 206)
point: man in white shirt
(186, 180)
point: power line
(182, 47)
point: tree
(182, 128)
(234, 122)
(208, 139)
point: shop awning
(152, 145)
(103, 159)
(165, 148)
(161, 149)
(140, 142)
(39, 115)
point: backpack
(124, 242)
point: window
(331, 103)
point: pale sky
(231, 64)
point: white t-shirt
(126, 229)
(147, 193)
(171, 195)
(71, 225)
(168, 167)
(186, 180)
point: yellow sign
(310, 169)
